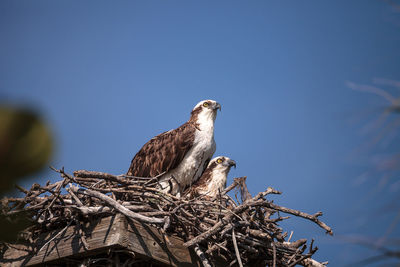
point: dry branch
(111, 202)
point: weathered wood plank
(101, 235)
(155, 245)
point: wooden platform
(114, 232)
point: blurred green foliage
(26, 145)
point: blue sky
(108, 76)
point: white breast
(193, 164)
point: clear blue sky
(110, 75)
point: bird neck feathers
(203, 119)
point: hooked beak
(217, 106)
(231, 163)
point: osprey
(213, 180)
(178, 157)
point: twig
(77, 200)
(274, 253)
(59, 233)
(313, 218)
(202, 257)
(82, 235)
(111, 202)
(236, 248)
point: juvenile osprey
(213, 180)
(179, 156)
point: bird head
(222, 164)
(206, 110)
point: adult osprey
(178, 157)
(213, 180)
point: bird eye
(219, 161)
(205, 104)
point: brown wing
(163, 152)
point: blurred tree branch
(385, 127)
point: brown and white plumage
(179, 156)
(213, 180)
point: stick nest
(242, 230)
